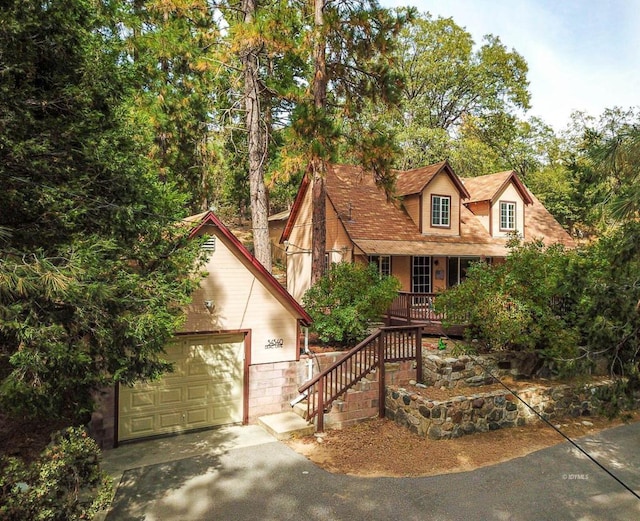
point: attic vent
(209, 244)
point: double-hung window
(507, 216)
(441, 211)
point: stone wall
(442, 371)
(482, 412)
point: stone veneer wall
(445, 371)
(487, 411)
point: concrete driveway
(250, 476)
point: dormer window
(441, 211)
(507, 216)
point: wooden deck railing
(414, 307)
(387, 344)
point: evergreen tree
(174, 48)
(93, 269)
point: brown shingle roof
(540, 224)
(369, 218)
(378, 225)
(488, 187)
(410, 182)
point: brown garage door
(205, 390)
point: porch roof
(431, 248)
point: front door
(420, 276)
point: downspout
(307, 352)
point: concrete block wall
(362, 401)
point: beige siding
(339, 247)
(439, 274)
(509, 194)
(401, 269)
(298, 251)
(411, 205)
(441, 185)
(238, 300)
(277, 249)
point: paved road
(270, 482)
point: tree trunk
(257, 148)
(318, 166)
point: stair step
(284, 425)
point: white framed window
(441, 211)
(383, 262)
(507, 216)
(421, 275)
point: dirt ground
(380, 447)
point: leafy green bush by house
(64, 484)
(347, 300)
(516, 305)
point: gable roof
(414, 181)
(377, 225)
(208, 219)
(489, 187)
(372, 221)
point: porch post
(381, 376)
(418, 351)
(321, 405)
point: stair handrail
(325, 395)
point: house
(277, 222)
(236, 357)
(427, 235)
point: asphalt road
(270, 482)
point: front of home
(427, 235)
(235, 358)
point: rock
(587, 423)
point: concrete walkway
(243, 474)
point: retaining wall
(483, 412)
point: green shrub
(513, 306)
(64, 484)
(345, 302)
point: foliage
(603, 285)
(94, 270)
(64, 484)
(515, 305)
(172, 46)
(449, 84)
(347, 299)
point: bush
(513, 306)
(345, 302)
(64, 484)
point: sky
(582, 54)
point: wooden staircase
(353, 387)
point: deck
(418, 309)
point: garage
(205, 389)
